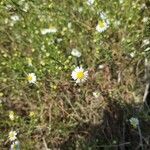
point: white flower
(29, 61)
(11, 115)
(75, 53)
(48, 30)
(145, 19)
(90, 2)
(132, 54)
(31, 77)
(134, 122)
(121, 1)
(102, 25)
(12, 135)
(101, 66)
(146, 42)
(15, 18)
(79, 74)
(69, 25)
(96, 94)
(15, 145)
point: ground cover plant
(74, 74)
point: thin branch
(140, 134)
(147, 78)
(122, 144)
(45, 144)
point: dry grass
(56, 113)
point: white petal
(74, 75)
(78, 81)
(90, 2)
(75, 53)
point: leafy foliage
(38, 36)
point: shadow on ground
(115, 133)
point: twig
(147, 78)
(122, 144)
(146, 93)
(119, 76)
(45, 144)
(140, 134)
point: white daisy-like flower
(11, 115)
(75, 53)
(134, 122)
(31, 77)
(12, 135)
(15, 18)
(48, 30)
(90, 2)
(102, 25)
(96, 94)
(79, 75)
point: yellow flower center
(11, 135)
(29, 78)
(80, 75)
(101, 23)
(31, 114)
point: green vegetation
(42, 43)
